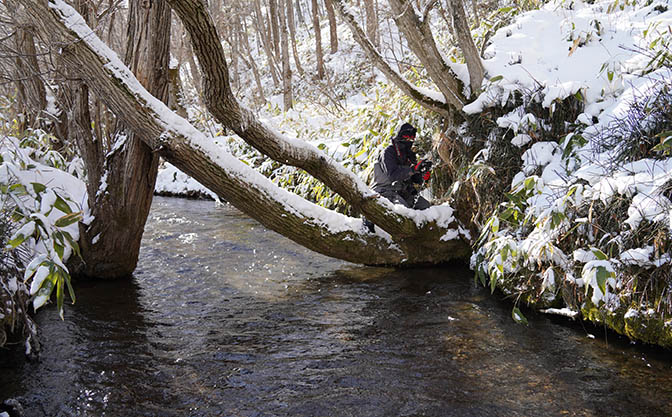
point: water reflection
(224, 318)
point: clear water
(224, 318)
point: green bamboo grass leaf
(71, 291)
(602, 275)
(62, 205)
(73, 244)
(68, 219)
(39, 188)
(599, 254)
(518, 316)
(59, 292)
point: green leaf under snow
(62, 205)
(19, 239)
(68, 219)
(602, 275)
(599, 254)
(518, 317)
(39, 188)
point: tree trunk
(266, 42)
(299, 13)
(466, 42)
(250, 61)
(318, 40)
(287, 98)
(419, 36)
(333, 28)
(292, 35)
(425, 237)
(419, 96)
(123, 196)
(31, 93)
(371, 23)
(273, 19)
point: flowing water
(224, 318)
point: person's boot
(369, 225)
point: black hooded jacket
(395, 164)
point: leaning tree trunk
(120, 203)
(414, 237)
(428, 101)
(421, 41)
(418, 239)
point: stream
(226, 318)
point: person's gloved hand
(427, 175)
(416, 178)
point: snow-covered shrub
(44, 215)
(586, 222)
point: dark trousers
(413, 201)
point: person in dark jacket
(398, 170)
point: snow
(637, 256)
(567, 312)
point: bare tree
(273, 19)
(267, 42)
(417, 33)
(292, 35)
(287, 97)
(371, 22)
(31, 94)
(318, 40)
(333, 28)
(466, 43)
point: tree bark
(287, 97)
(122, 198)
(371, 23)
(417, 238)
(273, 19)
(292, 36)
(419, 96)
(420, 39)
(31, 93)
(318, 40)
(333, 28)
(466, 42)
